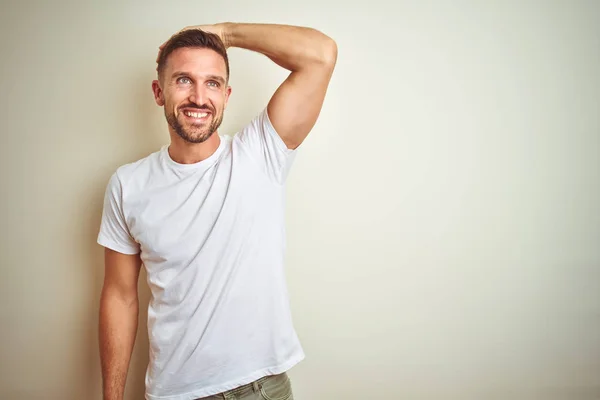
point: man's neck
(184, 152)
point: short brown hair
(194, 38)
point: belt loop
(255, 386)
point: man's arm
(310, 56)
(118, 320)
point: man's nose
(197, 95)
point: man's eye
(183, 80)
(213, 83)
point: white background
(443, 215)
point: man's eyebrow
(217, 78)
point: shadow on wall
(142, 135)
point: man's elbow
(329, 53)
(114, 296)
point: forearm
(117, 329)
(292, 47)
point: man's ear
(158, 93)
(227, 94)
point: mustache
(204, 107)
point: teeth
(195, 115)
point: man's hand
(218, 29)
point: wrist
(227, 36)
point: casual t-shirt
(212, 239)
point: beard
(194, 133)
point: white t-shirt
(212, 240)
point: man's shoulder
(137, 169)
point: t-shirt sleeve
(264, 144)
(114, 233)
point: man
(205, 215)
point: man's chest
(176, 219)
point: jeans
(273, 387)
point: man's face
(194, 92)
